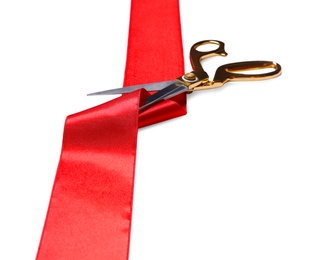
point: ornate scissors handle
(197, 56)
(198, 79)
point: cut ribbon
(90, 210)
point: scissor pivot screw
(189, 76)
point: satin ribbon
(155, 53)
(90, 210)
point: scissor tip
(92, 94)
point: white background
(233, 179)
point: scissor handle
(196, 56)
(232, 71)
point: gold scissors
(198, 79)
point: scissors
(198, 79)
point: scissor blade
(149, 87)
(166, 93)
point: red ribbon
(155, 53)
(89, 214)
